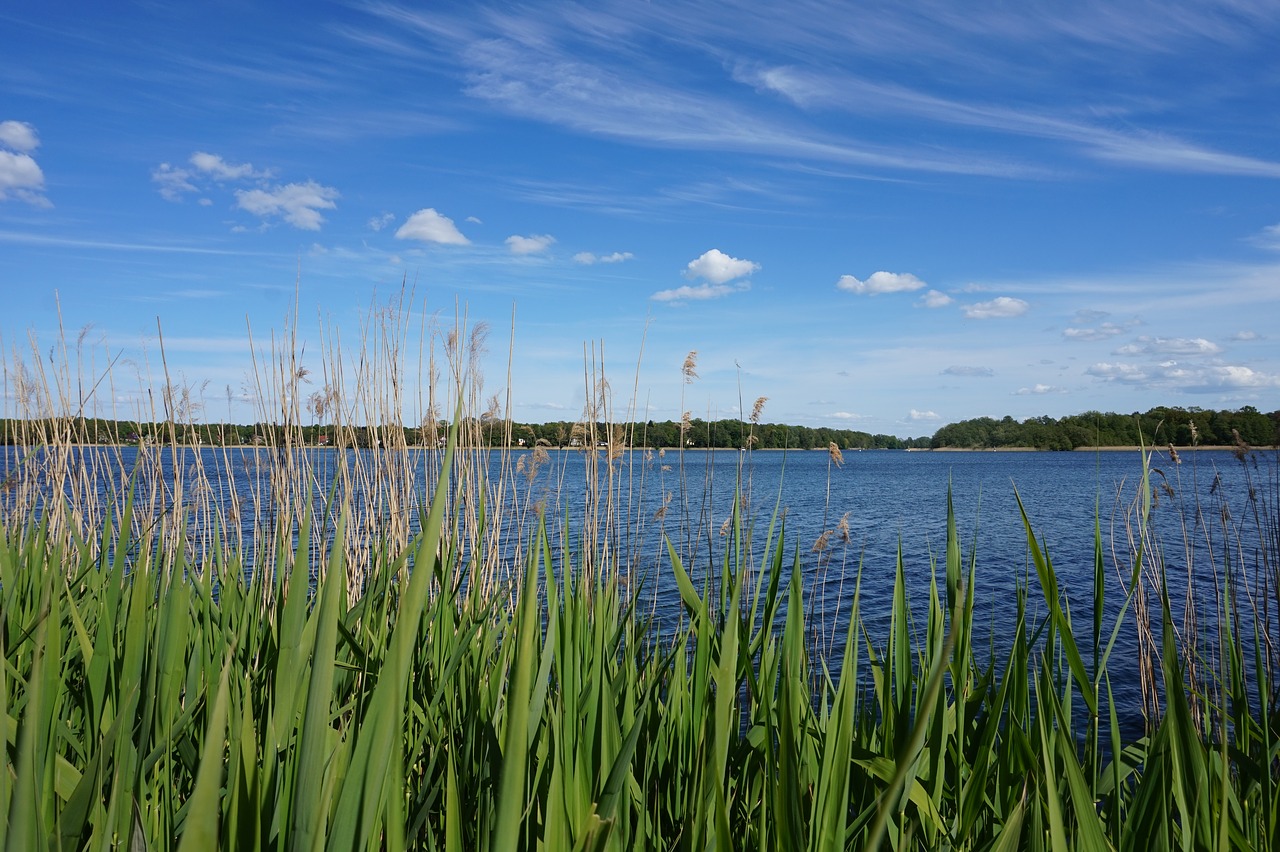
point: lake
(890, 501)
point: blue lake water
(891, 501)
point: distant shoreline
(1111, 449)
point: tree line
(1181, 427)
(1161, 425)
(694, 433)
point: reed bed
(362, 666)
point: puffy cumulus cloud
(847, 415)
(997, 308)
(1165, 346)
(377, 223)
(934, 299)
(428, 226)
(918, 416)
(698, 293)
(19, 136)
(1105, 331)
(20, 175)
(1039, 389)
(1214, 378)
(1191, 378)
(219, 169)
(1228, 376)
(981, 372)
(883, 282)
(299, 204)
(535, 244)
(719, 268)
(586, 258)
(1116, 372)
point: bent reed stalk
(245, 648)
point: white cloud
(934, 299)
(20, 175)
(718, 268)
(698, 293)
(1089, 316)
(923, 415)
(1001, 306)
(1039, 389)
(1234, 376)
(534, 244)
(473, 220)
(982, 372)
(1246, 335)
(882, 282)
(299, 204)
(377, 223)
(219, 169)
(428, 226)
(1102, 332)
(1212, 378)
(1269, 238)
(18, 136)
(586, 258)
(173, 181)
(847, 415)
(1109, 372)
(1165, 346)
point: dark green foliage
(1164, 425)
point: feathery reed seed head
(833, 451)
(690, 366)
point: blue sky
(883, 217)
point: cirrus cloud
(428, 226)
(886, 282)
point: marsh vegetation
(343, 661)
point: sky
(883, 216)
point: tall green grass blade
(316, 739)
(507, 829)
(200, 829)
